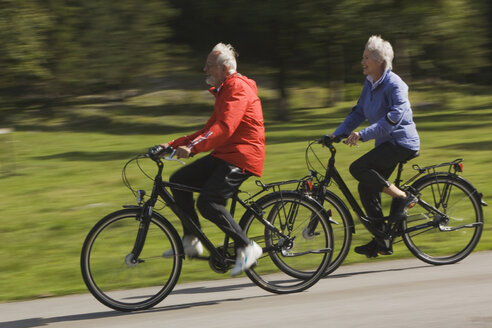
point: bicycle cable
(309, 164)
(126, 181)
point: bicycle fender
(274, 195)
(343, 208)
(475, 193)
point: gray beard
(210, 81)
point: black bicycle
(122, 258)
(443, 228)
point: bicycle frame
(160, 189)
(333, 174)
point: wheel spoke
(291, 263)
(452, 232)
(108, 268)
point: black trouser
(373, 170)
(218, 181)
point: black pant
(373, 169)
(218, 181)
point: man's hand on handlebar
(183, 152)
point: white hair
(226, 55)
(381, 51)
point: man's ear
(225, 69)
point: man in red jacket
(236, 136)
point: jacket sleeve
(398, 107)
(353, 119)
(188, 140)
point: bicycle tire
(119, 284)
(342, 226)
(443, 245)
(297, 266)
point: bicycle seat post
(398, 179)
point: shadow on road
(350, 274)
(39, 322)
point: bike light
(458, 167)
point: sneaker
(399, 206)
(246, 257)
(192, 247)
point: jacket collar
(376, 84)
(216, 90)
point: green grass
(62, 173)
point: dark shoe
(375, 247)
(369, 250)
(399, 206)
(385, 246)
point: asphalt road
(400, 293)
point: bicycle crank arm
(318, 251)
(471, 225)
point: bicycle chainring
(220, 266)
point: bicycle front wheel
(107, 266)
(342, 226)
(290, 262)
(446, 239)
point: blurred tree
(65, 47)
(439, 39)
(322, 40)
(278, 33)
(98, 45)
(24, 53)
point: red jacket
(235, 130)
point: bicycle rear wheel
(450, 238)
(290, 263)
(106, 261)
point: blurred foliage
(57, 48)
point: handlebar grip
(327, 139)
(158, 150)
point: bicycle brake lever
(171, 155)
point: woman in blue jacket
(384, 103)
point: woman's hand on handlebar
(352, 139)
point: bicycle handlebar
(156, 151)
(327, 139)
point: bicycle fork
(133, 259)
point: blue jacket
(386, 106)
